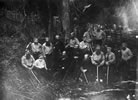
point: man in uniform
(98, 60)
(71, 46)
(36, 48)
(47, 49)
(99, 37)
(57, 50)
(27, 60)
(88, 36)
(110, 62)
(126, 55)
(39, 66)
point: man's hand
(107, 63)
(81, 68)
(30, 67)
(99, 65)
(44, 56)
(125, 59)
(46, 68)
(95, 64)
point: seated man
(47, 47)
(27, 60)
(73, 41)
(110, 62)
(36, 48)
(40, 67)
(84, 46)
(98, 60)
(109, 42)
(71, 46)
(40, 63)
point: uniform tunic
(47, 49)
(35, 47)
(73, 42)
(126, 54)
(124, 67)
(40, 63)
(98, 60)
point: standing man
(126, 55)
(99, 36)
(98, 60)
(88, 36)
(110, 62)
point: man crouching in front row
(38, 66)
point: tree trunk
(50, 21)
(66, 18)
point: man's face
(35, 41)
(108, 50)
(64, 53)
(47, 39)
(123, 46)
(72, 35)
(28, 55)
(57, 37)
(109, 38)
(86, 56)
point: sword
(97, 73)
(84, 71)
(35, 76)
(107, 81)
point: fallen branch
(22, 95)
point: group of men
(94, 47)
